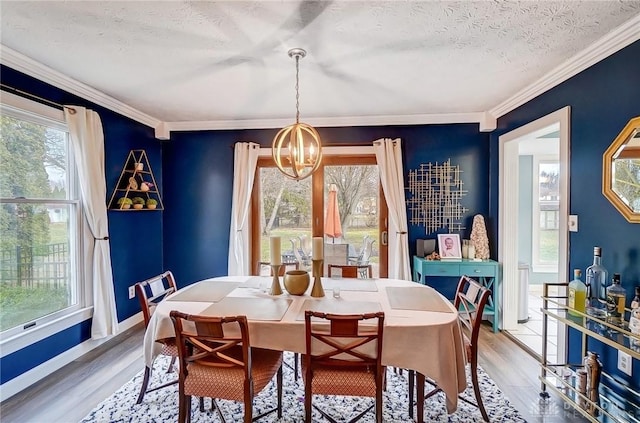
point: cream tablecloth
(421, 330)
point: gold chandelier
(297, 149)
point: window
(297, 210)
(546, 203)
(40, 219)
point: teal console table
(487, 272)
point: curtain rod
(35, 97)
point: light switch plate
(132, 292)
(624, 362)
(573, 223)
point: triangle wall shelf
(136, 189)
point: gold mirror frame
(608, 159)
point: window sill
(37, 333)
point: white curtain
(245, 161)
(389, 157)
(87, 142)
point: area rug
(162, 405)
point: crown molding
(481, 118)
(26, 65)
(612, 42)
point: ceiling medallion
(297, 149)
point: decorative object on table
(296, 282)
(433, 256)
(138, 203)
(479, 239)
(449, 246)
(317, 256)
(436, 191)
(297, 145)
(317, 290)
(152, 203)
(276, 263)
(424, 247)
(465, 248)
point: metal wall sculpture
(436, 190)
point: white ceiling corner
(223, 65)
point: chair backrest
(350, 340)
(202, 340)
(367, 249)
(350, 271)
(265, 265)
(470, 299)
(152, 291)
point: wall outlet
(573, 223)
(624, 362)
(132, 292)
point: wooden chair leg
(173, 361)
(420, 398)
(476, 390)
(145, 383)
(412, 376)
(188, 408)
(307, 400)
(379, 403)
(295, 365)
(279, 382)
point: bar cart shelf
(616, 336)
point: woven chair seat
(169, 347)
(228, 383)
(342, 381)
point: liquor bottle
(597, 277)
(616, 299)
(577, 294)
(635, 303)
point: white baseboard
(12, 387)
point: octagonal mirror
(621, 171)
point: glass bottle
(616, 299)
(597, 277)
(635, 303)
(577, 294)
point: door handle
(385, 238)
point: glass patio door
(342, 202)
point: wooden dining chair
(343, 358)
(470, 299)
(217, 361)
(149, 293)
(350, 271)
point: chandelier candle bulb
(275, 249)
(317, 248)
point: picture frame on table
(449, 247)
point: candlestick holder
(317, 290)
(275, 283)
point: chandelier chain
(297, 89)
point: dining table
(421, 327)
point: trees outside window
(39, 208)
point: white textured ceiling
(221, 61)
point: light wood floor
(73, 391)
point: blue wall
(602, 98)
(198, 185)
